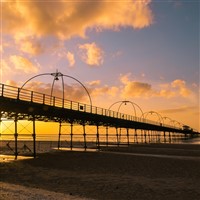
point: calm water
(192, 141)
(46, 143)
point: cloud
(176, 88)
(94, 83)
(97, 90)
(104, 90)
(72, 18)
(11, 83)
(184, 109)
(134, 88)
(125, 78)
(62, 53)
(70, 58)
(29, 44)
(167, 93)
(23, 64)
(5, 66)
(1, 48)
(91, 54)
(181, 86)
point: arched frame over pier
(56, 76)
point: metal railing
(36, 97)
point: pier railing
(37, 97)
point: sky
(142, 51)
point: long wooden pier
(19, 104)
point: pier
(18, 105)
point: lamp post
(169, 119)
(125, 103)
(160, 118)
(56, 76)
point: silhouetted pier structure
(20, 104)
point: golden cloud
(94, 83)
(176, 88)
(23, 64)
(11, 83)
(28, 44)
(72, 18)
(104, 90)
(134, 88)
(91, 54)
(5, 66)
(70, 58)
(184, 109)
(1, 48)
(97, 90)
(181, 86)
(167, 93)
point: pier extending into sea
(109, 127)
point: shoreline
(111, 175)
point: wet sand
(148, 171)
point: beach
(139, 171)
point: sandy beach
(144, 171)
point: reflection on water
(11, 158)
(192, 141)
(77, 149)
(25, 146)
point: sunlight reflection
(11, 158)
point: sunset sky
(143, 51)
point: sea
(47, 142)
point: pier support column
(186, 135)
(158, 137)
(97, 141)
(169, 137)
(164, 137)
(34, 138)
(174, 137)
(106, 135)
(71, 135)
(120, 133)
(84, 136)
(145, 137)
(149, 136)
(59, 134)
(16, 136)
(141, 136)
(117, 136)
(135, 136)
(127, 133)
